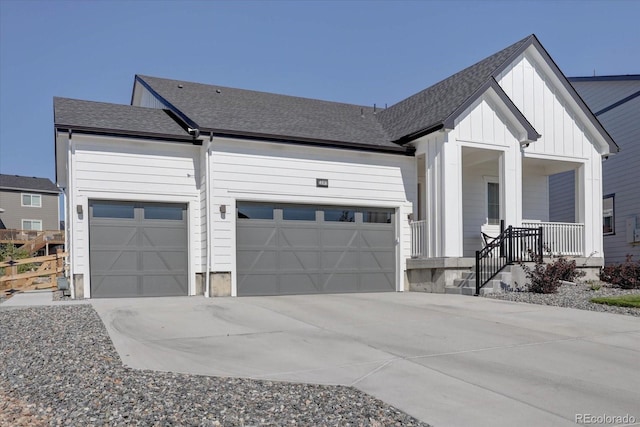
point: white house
(205, 189)
(615, 101)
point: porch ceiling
(476, 156)
(548, 167)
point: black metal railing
(514, 244)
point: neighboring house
(615, 101)
(198, 188)
(29, 203)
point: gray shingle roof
(115, 118)
(29, 183)
(238, 111)
(432, 106)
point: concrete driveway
(448, 360)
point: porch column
(588, 208)
(511, 185)
(451, 199)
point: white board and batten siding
(283, 173)
(564, 136)
(111, 168)
(483, 126)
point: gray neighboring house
(28, 203)
(615, 101)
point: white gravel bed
(59, 367)
(575, 296)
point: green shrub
(625, 275)
(15, 253)
(546, 278)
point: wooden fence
(45, 271)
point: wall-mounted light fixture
(410, 217)
(223, 209)
(79, 209)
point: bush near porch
(625, 275)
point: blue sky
(360, 52)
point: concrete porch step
(467, 285)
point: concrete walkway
(35, 298)
(448, 360)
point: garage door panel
(296, 283)
(333, 259)
(258, 284)
(256, 236)
(163, 260)
(160, 285)
(299, 260)
(338, 238)
(258, 260)
(298, 237)
(142, 253)
(341, 282)
(307, 256)
(377, 260)
(114, 286)
(378, 282)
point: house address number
(322, 182)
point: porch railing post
(477, 273)
(510, 239)
(540, 243)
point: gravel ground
(575, 296)
(59, 367)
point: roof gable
(27, 183)
(429, 109)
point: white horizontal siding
(110, 168)
(264, 171)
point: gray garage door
(138, 249)
(287, 249)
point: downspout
(68, 218)
(207, 168)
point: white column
(451, 198)
(510, 165)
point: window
(379, 217)
(246, 211)
(608, 217)
(113, 210)
(339, 215)
(32, 224)
(32, 200)
(163, 212)
(493, 203)
(299, 213)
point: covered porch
(491, 195)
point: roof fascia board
(190, 123)
(527, 131)
(607, 143)
(305, 141)
(125, 133)
(617, 78)
(30, 190)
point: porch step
(467, 285)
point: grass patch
(620, 301)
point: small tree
(15, 253)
